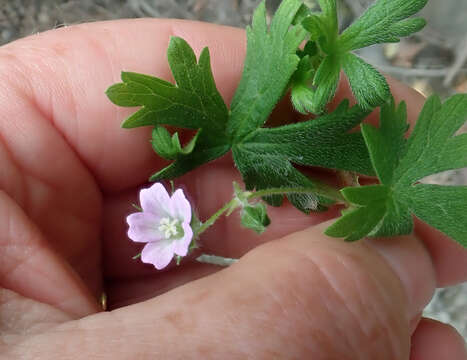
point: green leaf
(267, 156)
(193, 103)
(200, 156)
(365, 218)
(400, 164)
(301, 95)
(169, 147)
(255, 217)
(270, 62)
(368, 85)
(325, 82)
(330, 23)
(385, 21)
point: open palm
(68, 178)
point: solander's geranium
(163, 224)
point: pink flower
(164, 225)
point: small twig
(355, 6)
(416, 72)
(461, 58)
(433, 36)
(216, 260)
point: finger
(449, 258)
(65, 73)
(314, 297)
(434, 340)
(29, 267)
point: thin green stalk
(235, 202)
(216, 260)
(209, 222)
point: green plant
(301, 54)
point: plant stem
(233, 204)
(209, 222)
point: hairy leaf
(193, 103)
(433, 147)
(266, 157)
(384, 21)
(270, 62)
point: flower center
(169, 227)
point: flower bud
(255, 217)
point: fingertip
(434, 340)
(449, 258)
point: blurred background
(434, 60)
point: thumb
(305, 296)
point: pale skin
(69, 175)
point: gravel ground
(424, 62)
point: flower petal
(181, 206)
(182, 245)
(156, 200)
(159, 253)
(144, 227)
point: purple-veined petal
(144, 227)
(158, 253)
(181, 206)
(156, 200)
(182, 245)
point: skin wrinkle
(357, 318)
(26, 259)
(377, 312)
(263, 319)
(342, 332)
(122, 327)
(316, 333)
(41, 57)
(388, 305)
(18, 196)
(18, 260)
(387, 298)
(25, 310)
(343, 338)
(27, 204)
(426, 261)
(37, 175)
(98, 47)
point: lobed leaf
(432, 147)
(193, 103)
(271, 60)
(266, 156)
(386, 21)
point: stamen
(168, 227)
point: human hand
(69, 176)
